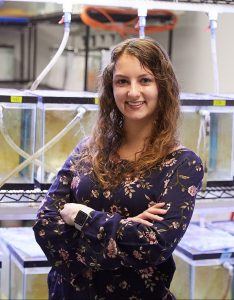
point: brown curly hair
(101, 150)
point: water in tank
(25, 269)
(17, 135)
(199, 261)
(207, 128)
(63, 119)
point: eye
(146, 80)
(120, 81)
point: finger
(142, 221)
(158, 211)
(150, 216)
(160, 204)
(65, 208)
(63, 214)
(145, 222)
(62, 211)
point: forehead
(128, 63)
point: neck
(137, 132)
(135, 140)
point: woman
(125, 196)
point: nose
(134, 90)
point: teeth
(135, 103)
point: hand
(69, 212)
(150, 214)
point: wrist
(82, 217)
(86, 209)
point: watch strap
(82, 217)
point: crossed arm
(109, 240)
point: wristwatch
(81, 219)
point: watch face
(80, 218)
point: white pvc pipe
(213, 39)
(142, 13)
(53, 60)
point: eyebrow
(125, 76)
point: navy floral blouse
(113, 258)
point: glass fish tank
(64, 118)
(206, 127)
(1, 274)
(4, 270)
(199, 259)
(17, 135)
(28, 267)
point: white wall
(191, 54)
(226, 52)
(191, 51)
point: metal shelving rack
(30, 199)
(23, 203)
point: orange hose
(127, 27)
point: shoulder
(81, 146)
(184, 167)
(77, 153)
(184, 154)
(184, 161)
(189, 164)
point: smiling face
(135, 90)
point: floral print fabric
(114, 258)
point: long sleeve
(111, 242)
(53, 235)
(108, 241)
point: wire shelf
(219, 192)
(37, 195)
(24, 204)
(21, 196)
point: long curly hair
(101, 149)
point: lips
(135, 104)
